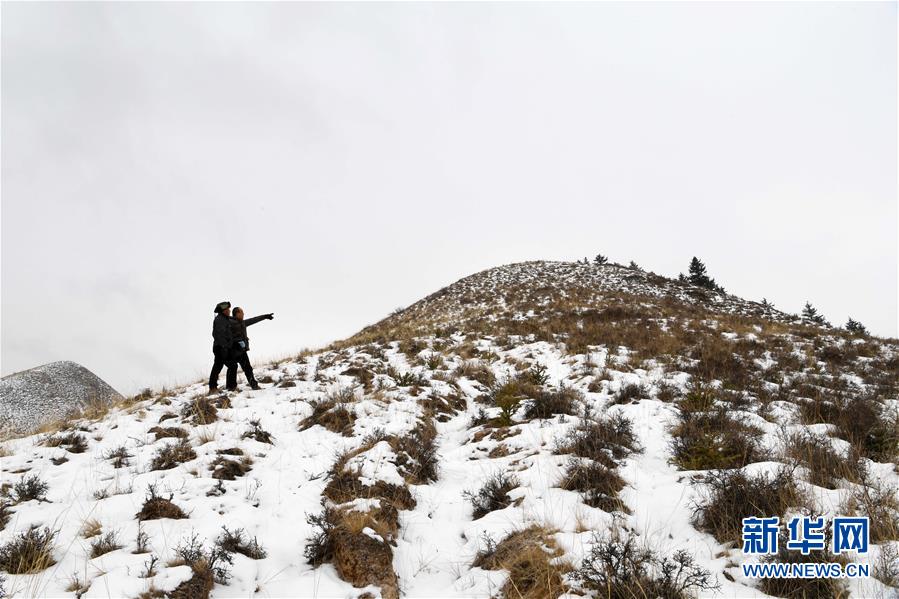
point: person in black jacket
(240, 345)
(222, 340)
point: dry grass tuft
(237, 542)
(606, 440)
(166, 432)
(530, 557)
(119, 457)
(416, 452)
(493, 495)
(598, 484)
(224, 469)
(91, 528)
(258, 433)
(173, 454)
(358, 558)
(157, 507)
(29, 487)
(102, 545)
(31, 551)
(71, 442)
(200, 410)
(207, 567)
(335, 416)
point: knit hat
(221, 306)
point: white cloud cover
(330, 162)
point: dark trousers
(222, 359)
(243, 360)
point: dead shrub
(319, 549)
(207, 567)
(5, 514)
(866, 424)
(157, 507)
(493, 494)
(173, 454)
(667, 392)
(530, 557)
(258, 433)
(606, 440)
(621, 569)
(549, 403)
(76, 587)
(728, 496)
(71, 442)
(598, 484)
(31, 551)
(878, 501)
(825, 466)
(629, 393)
(119, 456)
(417, 458)
(103, 544)
(237, 542)
(30, 487)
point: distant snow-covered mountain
(33, 397)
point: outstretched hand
(270, 316)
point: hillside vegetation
(535, 430)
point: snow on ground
(390, 388)
(438, 539)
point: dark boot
(254, 385)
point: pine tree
(634, 266)
(700, 278)
(600, 259)
(810, 315)
(854, 326)
(766, 304)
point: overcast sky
(331, 162)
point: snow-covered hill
(50, 392)
(502, 437)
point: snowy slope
(390, 388)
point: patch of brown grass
(200, 410)
(530, 557)
(225, 469)
(173, 454)
(157, 507)
(166, 432)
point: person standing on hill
(222, 340)
(240, 345)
